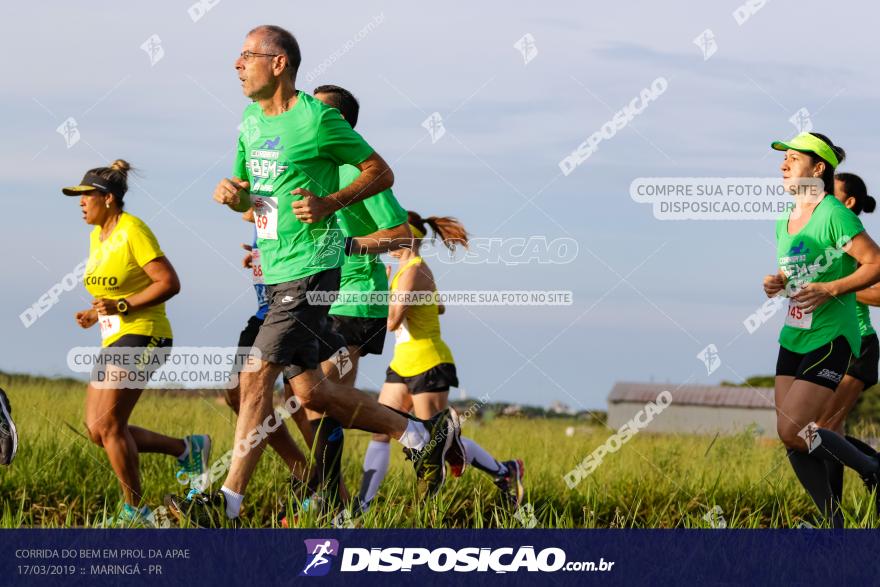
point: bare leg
(308, 434)
(107, 413)
(427, 404)
(255, 409)
(347, 405)
(841, 404)
(153, 442)
(332, 370)
(280, 440)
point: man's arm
(233, 193)
(869, 296)
(375, 177)
(381, 241)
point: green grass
(59, 479)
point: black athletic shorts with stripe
(130, 362)
(864, 367)
(823, 366)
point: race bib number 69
(266, 217)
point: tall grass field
(59, 479)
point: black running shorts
(439, 378)
(330, 343)
(246, 341)
(291, 332)
(249, 334)
(135, 358)
(366, 334)
(823, 366)
(864, 367)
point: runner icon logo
(802, 120)
(797, 250)
(710, 357)
(707, 44)
(318, 553)
(810, 434)
(342, 359)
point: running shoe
(130, 517)
(202, 510)
(287, 519)
(8, 433)
(430, 462)
(196, 463)
(510, 484)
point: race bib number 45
(266, 216)
(797, 318)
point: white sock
(482, 459)
(416, 435)
(375, 468)
(233, 502)
(185, 453)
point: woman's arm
(773, 284)
(406, 284)
(165, 286)
(864, 250)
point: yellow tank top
(418, 345)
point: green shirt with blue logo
(301, 148)
(814, 254)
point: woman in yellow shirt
(130, 279)
(423, 369)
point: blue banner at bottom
(510, 557)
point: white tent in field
(696, 409)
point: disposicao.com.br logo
(443, 559)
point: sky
(648, 295)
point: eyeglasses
(248, 55)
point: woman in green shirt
(824, 257)
(852, 192)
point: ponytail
(828, 175)
(451, 232)
(117, 177)
(854, 187)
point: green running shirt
(300, 148)
(814, 255)
(365, 274)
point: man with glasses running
(289, 152)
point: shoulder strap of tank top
(410, 263)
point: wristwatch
(122, 307)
